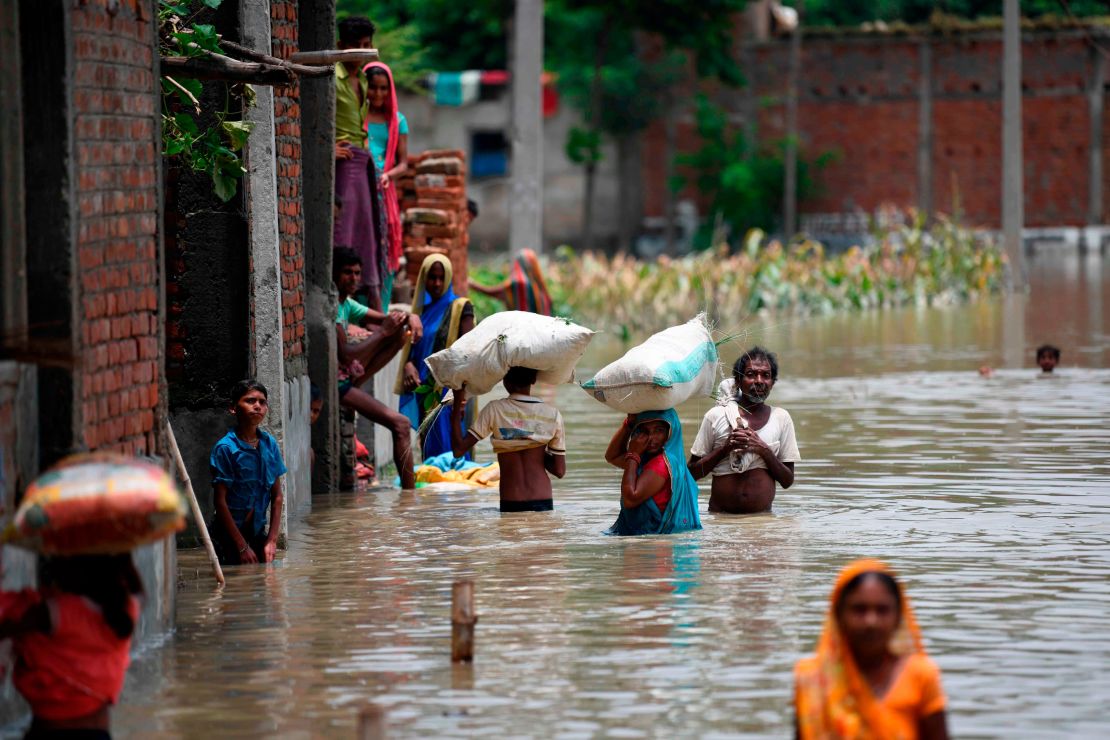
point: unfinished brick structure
(236, 277)
(915, 120)
(82, 253)
(117, 143)
(113, 285)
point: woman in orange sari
(870, 677)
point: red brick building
(914, 119)
(82, 288)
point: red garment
(658, 465)
(79, 666)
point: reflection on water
(991, 496)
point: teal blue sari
(681, 514)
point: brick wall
(287, 134)
(859, 98)
(116, 171)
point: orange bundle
(97, 504)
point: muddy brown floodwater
(990, 496)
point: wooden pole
(790, 156)
(219, 67)
(463, 620)
(371, 723)
(301, 70)
(334, 56)
(195, 506)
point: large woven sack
(480, 358)
(670, 367)
(97, 504)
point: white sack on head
(670, 367)
(480, 358)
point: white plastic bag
(669, 368)
(481, 357)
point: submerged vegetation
(907, 264)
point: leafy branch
(214, 148)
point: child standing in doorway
(246, 471)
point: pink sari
(389, 195)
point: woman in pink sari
(387, 134)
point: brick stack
(433, 207)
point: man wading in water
(748, 445)
(527, 437)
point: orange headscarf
(833, 698)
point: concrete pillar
(925, 128)
(13, 292)
(267, 351)
(317, 31)
(1013, 192)
(526, 216)
(1096, 99)
(50, 210)
(790, 156)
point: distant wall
(916, 121)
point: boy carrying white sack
(527, 437)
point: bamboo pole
(334, 56)
(220, 67)
(371, 723)
(301, 70)
(463, 620)
(195, 506)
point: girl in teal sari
(658, 493)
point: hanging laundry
(456, 88)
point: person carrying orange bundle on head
(870, 677)
(71, 639)
(524, 289)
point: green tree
(743, 180)
(449, 35)
(597, 49)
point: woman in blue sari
(445, 317)
(658, 493)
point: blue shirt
(249, 474)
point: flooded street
(991, 497)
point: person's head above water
(868, 610)
(755, 373)
(1048, 357)
(520, 379)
